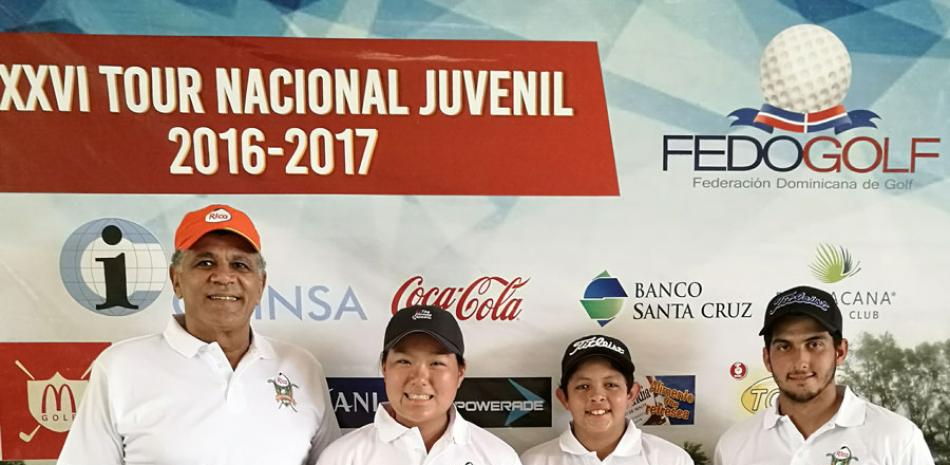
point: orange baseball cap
(215, 218)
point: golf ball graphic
(805, 69)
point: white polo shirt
(386, 442)
(635, 448)
(867, 433)
(173, 399)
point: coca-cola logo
(488, 297)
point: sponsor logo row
(116, 267)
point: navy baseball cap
(595, 345)
(804, 300)
(426, 319)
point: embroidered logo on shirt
(842, 456)
(285, 391)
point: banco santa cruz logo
(603, 298)
(113, 267)
(805, 73)
(833, 263)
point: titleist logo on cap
(218, 216)
(422, 315)
(799, 298)
(595, 341)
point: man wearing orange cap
(209, 389)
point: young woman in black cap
(423, 366)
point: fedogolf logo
(842, 456)
(284, 391)
(805, 73)
(832, 264)
(603, 298)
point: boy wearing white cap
(597, 388)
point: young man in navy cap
(423, 366)
(597, 388)
(209, 389)
(814, 420)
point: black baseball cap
(804, 300)
(595, 345)
(426, 319)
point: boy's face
(598, 398)
(803, 358)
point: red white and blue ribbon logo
(771, 117)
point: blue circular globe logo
(113, 267)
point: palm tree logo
(832, 264)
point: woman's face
(421, 378)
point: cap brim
(191, 241)
(610, 355)
(441, 340)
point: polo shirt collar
(851, 412)
(630, 443)
(189, 346)
(771, 417)
(390, 430)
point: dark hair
(566, 377)
(385, 353)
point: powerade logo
(486, 402)
(505, 402)
(603, 298)
(805, 73)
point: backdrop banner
(655, 171)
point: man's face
(598, 397)
(220, 280)
(803, 358)
(421, 378)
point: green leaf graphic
(832, 264)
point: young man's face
(598, 397)
(803, 358)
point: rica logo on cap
(215, 217)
